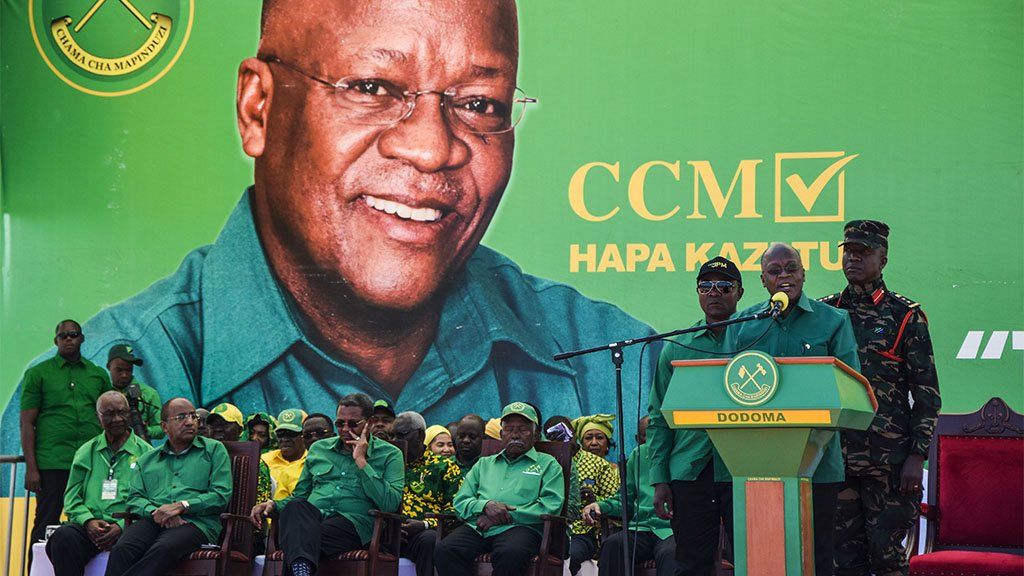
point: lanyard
(111, 463)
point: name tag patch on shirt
(109, 491)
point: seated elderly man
(180, 491)
(502, 499)
(431, 482)
(97, 489)
(345, 477)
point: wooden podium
(770, 419)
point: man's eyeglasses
(351, 424)
(791, 268)
(318, 434)
(287, 434)
(182, 417)
(114, 414)
(72, 335)
(476, 108)
(723, 286)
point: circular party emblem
(751, 378)
(110, 47)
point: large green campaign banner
(664, 133)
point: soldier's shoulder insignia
(904, 300)
(831, 299)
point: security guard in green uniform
(878, 503)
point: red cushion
(980, 491)
(959, 563)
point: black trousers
(70, 549)
(511, 551)
(420, 549)
(648, 546)
(825, 496)
(582, 547)
(699, 508)
(147, 549)
(305, 534)
(49, 503)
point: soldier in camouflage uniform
(884, 465)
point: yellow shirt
(285, 474)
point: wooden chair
(554, 544)
(234, 557)
(380, 559)
(975, 508)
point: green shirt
(92, 466)
(333, 483)
(638, 475)
(533, 483)
(681, 454)
(65, 394)
(810, 329)
(201, 475)
(149, 407)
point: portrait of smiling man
(382, 134)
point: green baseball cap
(521, 408)
(124, 352)
(291, 420)
(384, 406)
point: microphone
(779, 303)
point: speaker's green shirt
(810, 329)
(201, 474)
(333, 483)
(533, 483)
(639, 496)
(681, 454)
(65, 394)
(94, 464)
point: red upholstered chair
(975, 508)
(554, 544)
(380, 559)
(234, 557)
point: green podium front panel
(770, 419)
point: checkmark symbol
(808, 195)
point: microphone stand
(616, 350)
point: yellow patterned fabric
(430, 485)
(599, 477)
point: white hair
(408, 421)
(109, 394)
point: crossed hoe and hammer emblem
(751, 377)
(126, 3)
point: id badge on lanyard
(109, 491)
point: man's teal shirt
(221, 329)
(811, 328)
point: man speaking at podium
(805, 327)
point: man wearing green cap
(878, 503)
(286, 462)
(381, 419)
(143, 400)
(502, 500)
